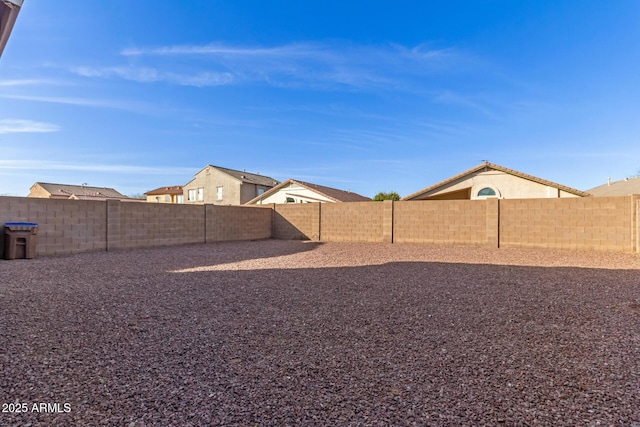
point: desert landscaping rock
(276, 333)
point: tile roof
(173, 190)
(250, 178)
(79, 191)
(102, 198)
(492, 166)
(623, 187)
(330, 193)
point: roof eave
(8, 14)
(315, 190)
(269, 192)
(493, 166)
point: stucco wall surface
(210, 179)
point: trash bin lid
(20, 226)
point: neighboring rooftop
(248, 177)
(161, 191)
(79, 192)
(331, 193)
(486, 166)
(624, 187)
(334, 193)
(251, 178)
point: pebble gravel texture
(277, 333)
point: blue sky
(368, 96)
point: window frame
(496, 193)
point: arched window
(486, 192)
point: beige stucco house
(489, 180)
(222, 186)
(172, 194)
(293, 191)
(73, 192)
(624, 187)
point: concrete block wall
(65, 226)
(237, 223)
(441, 221)
(352, 222)
(594, 223)
(144, 225)
(492, 218)
(388, 218)
(296, 221)
(635, 226)
(114, 225)
(70, 226)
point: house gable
(293, 191)
(491, 180)
(223, 186)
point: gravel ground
(299, 333)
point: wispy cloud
(452, 98)
(26, 126)
(85, 102)
(131, 106)
(28, 164)
(150, 75)
(295, 65)
(295, 49)
(25, 82)
(323, 52)
(128, 73)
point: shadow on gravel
(164, 258)
(214, 253)
(403, 343)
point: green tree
(386, 196)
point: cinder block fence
(70, 226)
(595, 223)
